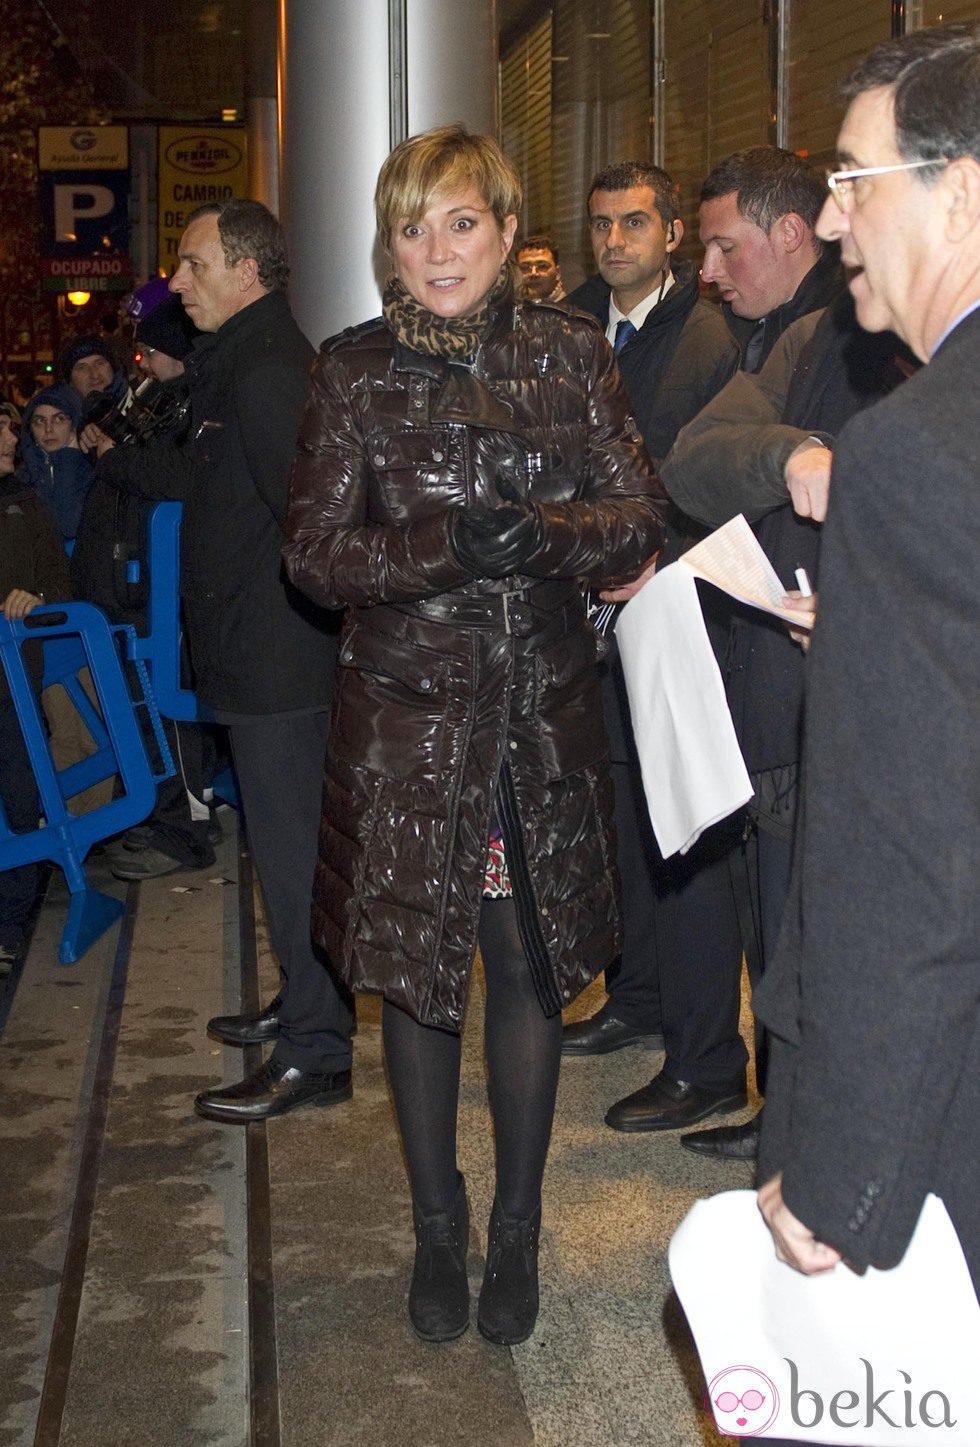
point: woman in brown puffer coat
(465, 462)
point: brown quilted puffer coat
(457, 696)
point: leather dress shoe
(667, 1104)
(602, 1033)
(272, 1090)
(730, 1142)
(248, 1029)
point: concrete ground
(135, 1303)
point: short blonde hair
(445, 159)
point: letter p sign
(75, 203)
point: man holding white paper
(758, 210)
(746, 452)
(873, 999)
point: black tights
(523, 1051)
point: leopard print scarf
(453, 338)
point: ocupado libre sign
(195, 164)
(84, 194)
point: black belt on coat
(522, 612)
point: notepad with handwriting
(733, 561)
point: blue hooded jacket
(61, 479)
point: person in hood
(53, 463)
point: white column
(338, 113)
(452, 64)
(261, 106)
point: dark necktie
(753, 350)
(624, 330)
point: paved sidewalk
(160, 1353)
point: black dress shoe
(248, 1029)
(602, 1033)
(272, 1090)
(731, 1142)
(667, 1104)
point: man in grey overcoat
(874, 995)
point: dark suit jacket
(874, 995)
(681, 356)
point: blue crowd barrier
(160, 647)
(76, 636)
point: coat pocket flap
(414, 668)
(426, 450)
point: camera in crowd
(153, 409)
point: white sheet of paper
(783, 1355)
(693, 770)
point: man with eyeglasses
(537, 259)
(874, 997)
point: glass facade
(680, 82)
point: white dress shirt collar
(641, 311)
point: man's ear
(791, 232)
(675, 234)
(959, 186)
(248, 272)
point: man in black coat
(263, 658)
(874, 996)
(674, 352)
(762, 448)
(756, 224)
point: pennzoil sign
(195, 164)
(204, 155)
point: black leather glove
(495, 542)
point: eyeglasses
(841, 183)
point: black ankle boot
(439, 1297)
(509, 1296)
